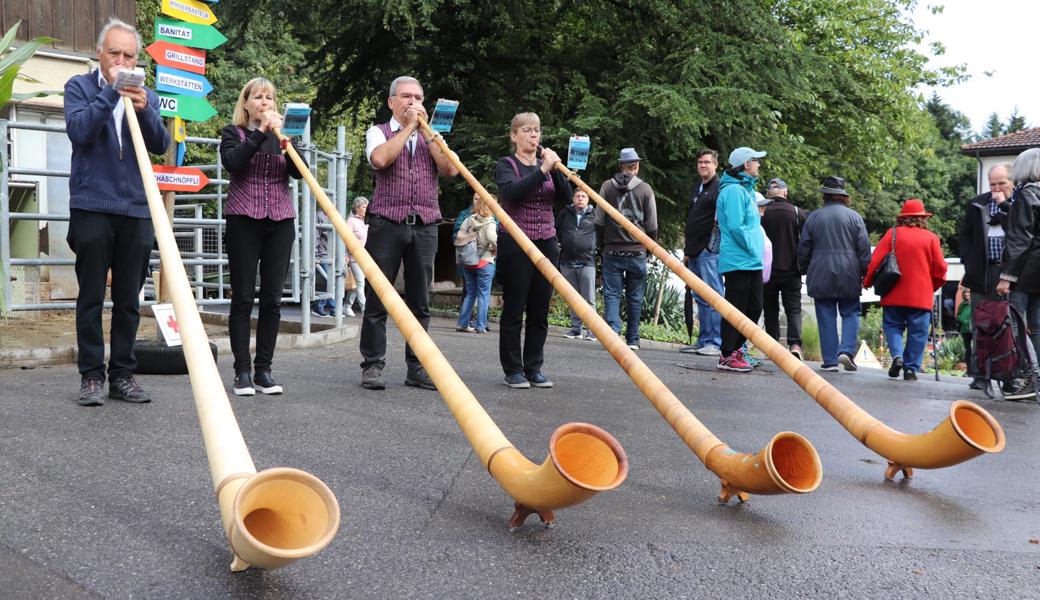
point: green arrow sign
(188, 34)
(188, 108)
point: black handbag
(887, 275)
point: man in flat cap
(783, 223)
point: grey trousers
(583, 278)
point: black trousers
(102, 242)
(392, 244)
(788, 286)
(744, 291)
(524, 292)
(267, 244)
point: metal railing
(200, 238)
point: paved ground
(116, 502)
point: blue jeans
(478, 292)
(706, 266)
(896, 319)
(627, 273)
(1029, 305)
(827, 310)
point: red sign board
(180, 57)
(179, 179)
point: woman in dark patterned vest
(528, 186)
(260, 231)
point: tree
(823, 86)
(993, 127)
(1016, 122)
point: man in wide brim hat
(834, 185)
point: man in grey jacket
(834, 252)
(624, 258)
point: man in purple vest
(402, 224)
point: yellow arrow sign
(189, 10)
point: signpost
(188, 34)
(180, 179)
(189, 10)
(181, 82)
(189, 108)
(176, 56)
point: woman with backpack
(908, 305)
(479, 226)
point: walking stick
(787, 464)
(936, 303)
(967, 432)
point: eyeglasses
(526, 130)
(409, 97)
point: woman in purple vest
(260, 229)
(528, 185)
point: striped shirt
(527, 196)
(408, 186)
(259, 186)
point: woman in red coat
(908, 305)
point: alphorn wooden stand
(787, 464)
(968, 431)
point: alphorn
(583, 459)
(271, 518)
(968, 430)
(787, 464)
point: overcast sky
(997, 37)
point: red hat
(914, 208)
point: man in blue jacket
(109, 223)
(740, 250)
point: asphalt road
(116, 501)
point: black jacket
(1022, 240)
(577, 241)
(783, 225)
(979, 275)
(700, 217)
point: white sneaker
(348, 311)
(709, 350)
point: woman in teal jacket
(740, 250)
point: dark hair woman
(260, 229)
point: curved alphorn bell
(967, 432)
(583, 459)
(787, 464)
(271, 518)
